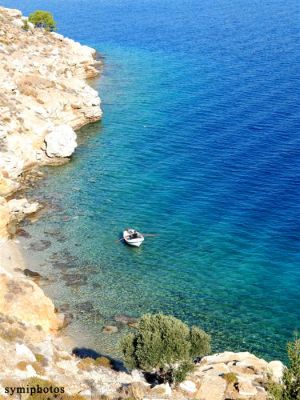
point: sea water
(199, 144)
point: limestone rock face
(13, 211)
(24, 300)
(188, 386)
(4, 218)
(6, 185)
(229, 356)
(10, 164)
(250, 372)
(276, 369)
(61, 141)
(13, 12)
(212, 388)
(246, 388)
(44, 96)
(21, 207)
(24, 353)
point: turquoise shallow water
(199, 144)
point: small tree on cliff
(164, 345)
(42, 19)
(290, 388)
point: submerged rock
(109, 329)
(64, 307)
(86, 306)
(125, 319)
(65, 319)
(41, 245)
(23, 233)
(75, 279)
(62, 265)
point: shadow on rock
(83, 352)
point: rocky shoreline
(44, 99)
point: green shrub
(11, 334)
(128, 348)
(164, 344)
(89, 363)
(26, 25)
(103, 362)
(230, 378)
(200, 342)
(290, 388)
(181, 372)
(43, 19)
(291, 377)
(34, 382)
(274, 390)
(86, 364)
(22, 365)
(39, 357)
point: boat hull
(135, 242)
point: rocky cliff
(44, 99)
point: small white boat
(133, 237)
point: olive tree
(290, 387)
(164, 345)
(42, 19)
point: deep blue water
(200, 144)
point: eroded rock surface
(44, 97)
(61, 141)
(231, 375)
(22, 299)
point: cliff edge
(44, 98)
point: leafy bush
(181, 372)
(200, 342)
(11, 334)
(26, 25)
(103, 362)
(43, 19)
(22, 365)
(230, 378)
(39, 357)
(86, 364)
(90, 363)
(165, 345)
(290, 388)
